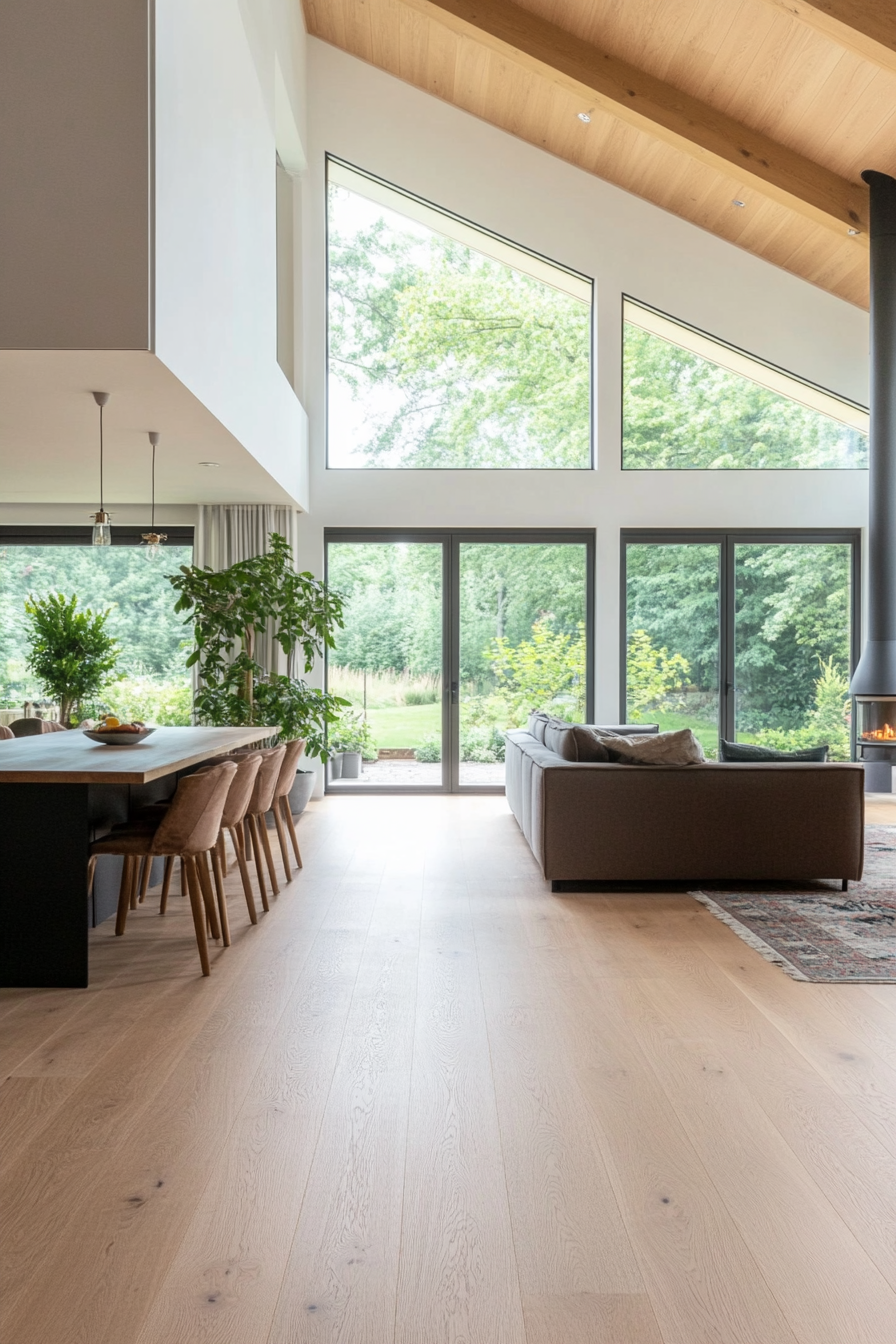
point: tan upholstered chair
(189, 829)
(280, 807)
(6, 734)
(34, 727)
(261, 801)
(235, 808)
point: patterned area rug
(817, 932)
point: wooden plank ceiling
(694, 104)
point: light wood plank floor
(427, 1101)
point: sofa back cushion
(574, 742)
(749, 751)
(538, 721)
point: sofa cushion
(750, 751)
(574, 742)
(537, 723)
(674, 748)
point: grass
(404, 725)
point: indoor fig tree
(240, 612)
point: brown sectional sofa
(609, 822)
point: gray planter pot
(351, 765)
(335, 764)
(301, 791)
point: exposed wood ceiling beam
(865, 27)
(613, 86)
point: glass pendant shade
(102, 529)
(153, 542)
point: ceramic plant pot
(351, 765)
(335, 764)
(301, 791)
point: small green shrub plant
(72, 655)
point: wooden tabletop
(72, 758)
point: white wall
(215, 225)
(628, 246)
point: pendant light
(102, 531)
(152, 538)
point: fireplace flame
(885, 734)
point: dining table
(60, 791)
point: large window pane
(694, 404)
(151, 681)
(792, 641)
(448, 347)
(388, 658)
(672, 638)
(522, 644)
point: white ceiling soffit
(746, 366)
(49, 434)
(452, 226)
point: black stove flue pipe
(876, 672)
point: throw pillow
(574, 742)
(675, 748)
(750, 751)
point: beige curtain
(226, 533)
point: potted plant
(233, 612)
(353, 739)
(72, 654)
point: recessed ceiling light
(209, 464)
(584, 116)
(740, 204)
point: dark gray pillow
(749, 751)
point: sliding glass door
(747, 635)
(450, 639)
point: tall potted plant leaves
(232, 611)
(72, 654)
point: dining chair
(6, 734)
(283, 819)
(255, 822)
(235, 808)
(189, 830)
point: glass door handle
(454, 692)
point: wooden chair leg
(135, 878)
(188, 868)
(205, 886)
(266, 841)
(291, 827)
(222, 853)
(124, 894)
(259, 860)
(183, 878)
(240, 852)
(91, 872)
(144, 880)
(281, 836)
(166, 883)
(219, 891)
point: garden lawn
(404, 725)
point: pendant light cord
(152, 521)
(102, 503)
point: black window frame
(492, 233)
(451, 540)
(727, 539)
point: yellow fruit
(112, 722)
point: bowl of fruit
(113, 733)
